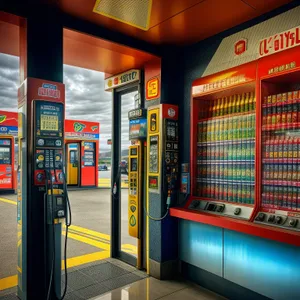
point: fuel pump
(43, 192)
(163, 155)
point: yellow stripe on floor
(90, 232)
(89, 241)
(8, 201)
(12, 281)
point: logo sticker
(132, 221)
(78, 127)
(171, 112)
(2, 118)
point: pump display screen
(49, 119)
(49, 123)
(89, 154)
(5, 156)
(133, 164)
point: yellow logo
(109, 83)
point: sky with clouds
(85, 97)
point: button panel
(220, 208)
(278, 219)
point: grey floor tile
(104, 271)
(92, 291)
(78, 280)
(121, 281)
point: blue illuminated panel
(201, 245)
(264, 266)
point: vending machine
(279, 148)
(223, 138)
(7, 174)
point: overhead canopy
(175, 22)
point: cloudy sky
(85, 97)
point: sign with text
(122, 79)
(279, 42)
(152, 89)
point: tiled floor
(153, 289)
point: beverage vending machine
(279, 117)
(223, 144)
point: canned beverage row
(230, 128)
(281, 114)
(245, 150)
(281, 146)
(284, 172)
(282, 97)
(233, 192)
(281, 197)
(220, 171)
(229, 105)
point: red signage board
(228, 78)
(279, 42)
(81, 130)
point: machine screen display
(49, 123)
(89, 158)
(133, 151)
(59, 201)
(133, 164)
(49, 119)
(137, 129)
(5, 157)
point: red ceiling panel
(203, 20)
(266, 5)
(96, 54)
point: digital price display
(49, 119)
(49, 123)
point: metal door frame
(116, 251)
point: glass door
(123, 245)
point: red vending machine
(223, 137)
(279, 149)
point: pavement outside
(104, 179)
(89, 235)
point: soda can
(275, 171)
(295, 197)
(252, 172)
(234, 192)
(285, 197)
(290, 197)
(295, 172)
(275, 196)
(229, 192)
(221, 190)
(243, 171)
(290, 172)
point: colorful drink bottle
(242, 103)
(238, 104)
(247, 101)
(234, 100)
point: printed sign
(279, 42)
(83, 130)
(49, 90)
(137, 128)
(122, 79)
(152, 89)
(109, 142)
